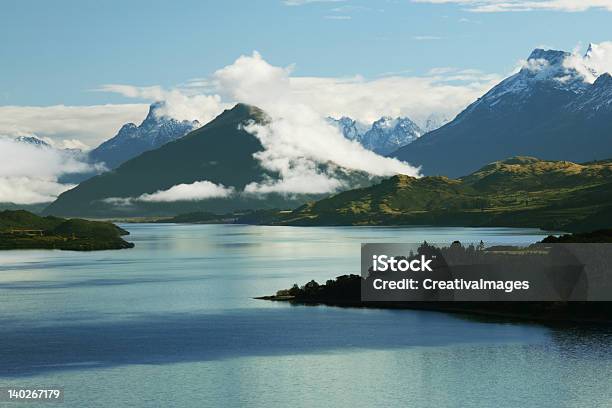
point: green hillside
(521, 191)
(23, 230)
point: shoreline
(481, 311)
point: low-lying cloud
(30, 174)
(298, 139)
(88, 124)
(181, 104)
(196, 191)
(596, 61)
(199, 190)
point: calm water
(172, 323)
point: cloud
(88, 124)
(298, 142)
(74, 144)
(181, 103)
(299, 137)
(394, 94)
(595, 62)
(298, 176)
(497, 6)
(196, 191)
(29, 174)
(199, 190)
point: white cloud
(595, 62)
(199, 190)
(29, 174)
(298, 138)
(180, 103)
(88, 124)
(298, 176)
(74, 144)
(27, 190)
(196, 191)
(394, 95)
(445, 91)
(496, 6)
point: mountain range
(384, 136)
(32, 140)
(218, 157)
(155, 130)
(516, 192)
(547, 110)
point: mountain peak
(155, 130)
(32, 140)
(155, 111)
(554, 57)
(604, 79)
(243, 111)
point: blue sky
(74, 71)
(56, 52)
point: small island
(346, 291)
(20, 229)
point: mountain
(351, 129)
(435, 121)
(32, 140)
(131, 140)
(220, 152)
(546, 110)
(517, 192)
(383, 136)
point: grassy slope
(520, 191)
(58, 233)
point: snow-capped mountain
(596, 99)
(32, 140)
(435, 121)
(544, 71)
(387, 134)
(132, 140)
(223, 153)
(550, 109)
(384, 135)
(351, 129)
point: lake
(172, 322)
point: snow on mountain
(557, 107)
(543, 69)
(596, 99)
(435, 121)
(383, 136)
(132, 140)
(32, 140)
(351, 129)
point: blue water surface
(173, 322)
